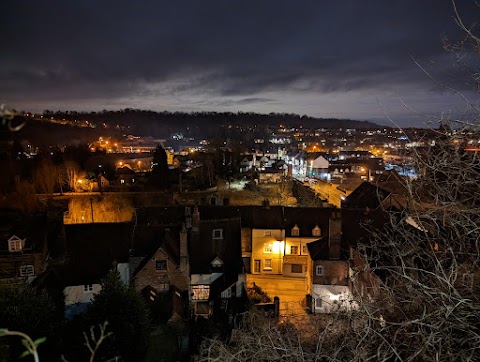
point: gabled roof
(247, 157)
(204, 249)
(148, 240)
(319, 249)
(125, 170)
(365, 196)
(307, 218)
(311, 156)
(260, 217)
(392, 181)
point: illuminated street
(291, 291)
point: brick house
(216, 267)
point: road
(330, 192)
(291, 291)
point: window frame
(88, 288)
(27, 270)
(15, 245)
(291, 249)
(319, 270)
(164, 287)
(217, 234)
(267, 248)
(257, 262)
(267, 264)
(296, 266)
(159, 262)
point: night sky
(335, 58)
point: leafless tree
(73, 173)
(426, 258)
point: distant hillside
(159, 123)
(81, 127)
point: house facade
(23, 247)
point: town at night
(240, 181)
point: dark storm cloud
(102, 51)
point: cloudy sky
(342, 58)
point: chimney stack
(334, 236)
(183, 249)
(195, 220)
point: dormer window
(295, 230)
(316, 231)
(15, 244)
(216, 263)
(217, 234)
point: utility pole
(91, 208)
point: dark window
(217, 234)
(319, 270)
(161, 265)
(297, 268)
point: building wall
(150, 276)
(281, 253)
(335, 272)
(330, 299)
(75, 294)
(301, 257)
(260, 239)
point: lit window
(267, 248)
(267, 233)
(152, 295)
(267, 264)
(304, 249)
(161, 265)
(297, 268)
(27, 271)
(164, 287)
(319, 270)
(15, 244)
(217, 234)
(294, 250)
(200, 292)
(88, 288)
(122, 181)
